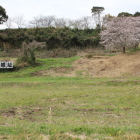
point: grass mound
(104, 66)
(97, 66)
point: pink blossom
(122, 33)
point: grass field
(68, 108)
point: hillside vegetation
(53, 37)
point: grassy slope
(103, 108)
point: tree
(122, 33)
(35, 23)
(47, 21)
(76, 24)
(124, 14)
(28, 55)
(137, 14)
(60, 22)
(107, 18)
(96, 13)
(86, 22)
(20, 21)
(82, 23)
(3, 16)
(42, 21)
(9, 22)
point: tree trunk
(5, 47)
(123, 50)
(136, 46)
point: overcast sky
(72, 9)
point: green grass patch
(68, 107)
(43, 64)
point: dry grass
(103, 66)
(98, 66)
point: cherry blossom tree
(121, 32)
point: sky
(71, 9)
